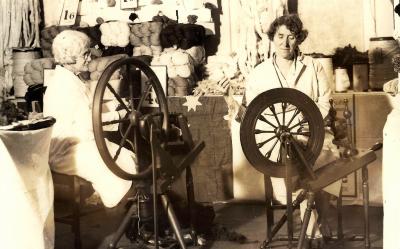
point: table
(26, 190)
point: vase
(342, 81)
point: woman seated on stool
(73, 150)
(288, 68)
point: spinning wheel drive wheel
(273, 115)
(121, 83)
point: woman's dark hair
(293, 23)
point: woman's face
(82, 62)
(285, 43)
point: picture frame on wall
(128, 4)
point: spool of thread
(360, 77)
(326, 62)
(342, 81)
(380, 54)
(20, 57)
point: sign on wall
(69, 12)
(161, 73)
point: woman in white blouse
(288, 68)
(73, 150)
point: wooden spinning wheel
(131, 97)
(274, 116)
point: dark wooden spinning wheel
(130, 95)
(273, 116)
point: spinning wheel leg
(173, 220)
(306, 219)
(367, 241)
(122, 227)
(272, 232)
(286, 155)
(268, 208)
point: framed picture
(128, 4)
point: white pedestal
(26, 190)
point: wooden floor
(245, 219)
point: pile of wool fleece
(180, 70)
(115, 33)
(145, 38)
(219, 67)
(98, 65)
(220, 71)
(33, 70)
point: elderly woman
(288, 68)
(73, 150)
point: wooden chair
(69, 206)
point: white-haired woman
(73, 150)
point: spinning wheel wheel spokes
(274, 116)
(126, 93)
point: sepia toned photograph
(199, 124)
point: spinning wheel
(274, 116)
(130, 98)
(282, 134)
(144, 129)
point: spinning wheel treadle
(272, 117)
(130, 97)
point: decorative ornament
(192, 102)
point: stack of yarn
(96, 68)
(180, 69)
(145, 37)
(98, 65)
(115, 34)
(33, 71)
(183, 36)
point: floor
(239, 219)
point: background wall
(332, 24)
(335, 23)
